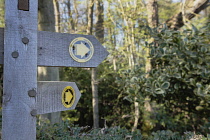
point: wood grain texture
(1, 45)
(53, 50)
(49, 96)
(20, 74)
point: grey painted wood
(19, 73)
(1, 45)
(49, 96)
(53, 50)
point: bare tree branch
(177, 22)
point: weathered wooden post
(20, 66)
(22, 49)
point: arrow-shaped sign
(53, 50)
(51, 96)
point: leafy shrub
(179, 80)
(169, 135)
(64, 131)
(165, 135)
(178, 84)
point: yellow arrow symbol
(69, 97)
(81, 49)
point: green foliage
(182, 59)
(133, 79)
(110, 98)
(65, 131)
(1, 13)
(113, 108)
(178, 84)
(83, 113)
(180, 76)
(165, 135)
(169, 135)
(191, 135)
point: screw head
(15, 54)
(32, 93)
(34, 112)
(21, 27)
(25, 40)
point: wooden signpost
(22, 49)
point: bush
(179, 80)
(65, 131)
(169, 135)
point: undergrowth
(67, 131)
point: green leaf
(198, 85)
(203, 49)
(152, 52)
(128, 98)
(176, 86)
(199, 108)
(161, 50)
(159, 91)
(195, 30)
(131, 91)
(177, 75)
(192, 81)
(165, 85)
(134, 79)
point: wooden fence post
(20, 70)
(22, 98)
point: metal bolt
(21, 27)
(25, 40)
(32, 93)
(15, 54)
(34, 112)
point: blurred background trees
(157, 74)
(122, 75)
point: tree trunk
(47, 23)
(152, 11)
(99, 32)
(57, 15)
(76, 15)
(207, 14)
(136, 114)
(177, 21)
(90, 17)
(99, 28)
(72, 28)
(94, 82)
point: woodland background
(155, 81)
